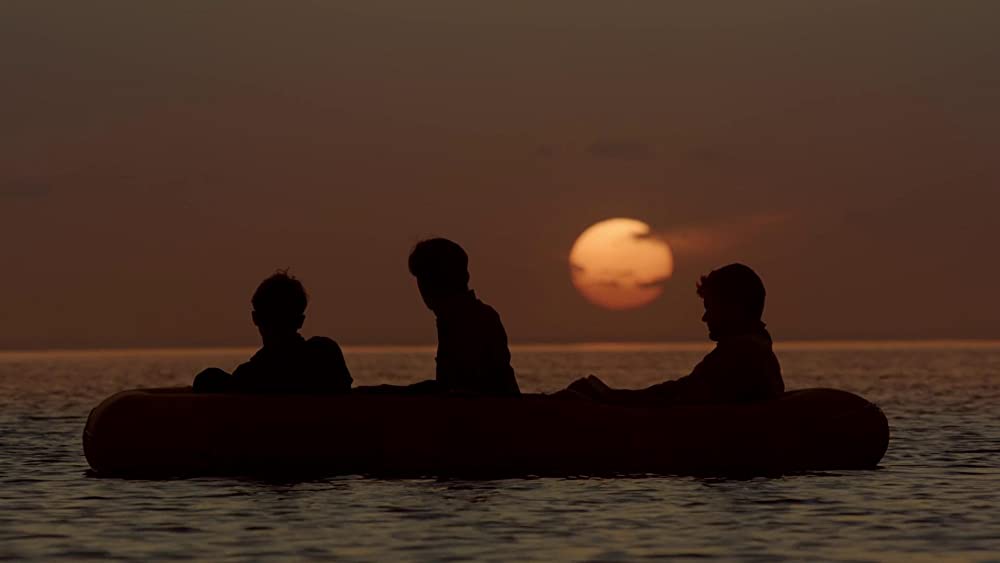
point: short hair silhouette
(735, 285)
(442, 265)
(280, 300)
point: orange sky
(157, 161)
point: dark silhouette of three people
(473, 357)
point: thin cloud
(712, 239)
(610, 283)
(618, 273)
(545, 151)
(622, 150)
(24, 191)
(708, 155)
(658, 282)
(650, 235)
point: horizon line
(791, 344)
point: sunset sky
(158, 159)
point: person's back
(315, 365)
(741, 369)
(472, 350)
(286, 362)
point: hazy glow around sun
(619, 264)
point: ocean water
(936, 495)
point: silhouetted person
(286, 362)
(472, 352)
(742, 368)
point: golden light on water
(620, 264)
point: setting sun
(620, 264)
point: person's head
(441, 268)
(279, 305)
(734, 300)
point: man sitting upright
(286, 362)
(742, 368)
(472, 354)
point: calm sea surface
(936, 495)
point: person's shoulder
(487, 312)
(247, 369)
(259, 357)
(323, 344)
(729, 352)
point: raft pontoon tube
(174, 432)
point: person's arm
(246, 378)
(700, 386)
(497, 359)
(244, 370)
(332, 365)
(447, 368)
(694, 388)
(723, 376)
(339, 367)
(212, 380)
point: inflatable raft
(174, 432)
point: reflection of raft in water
(173, 432)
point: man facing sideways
(741, 369)
(472, 353)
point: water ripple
(934, 497)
